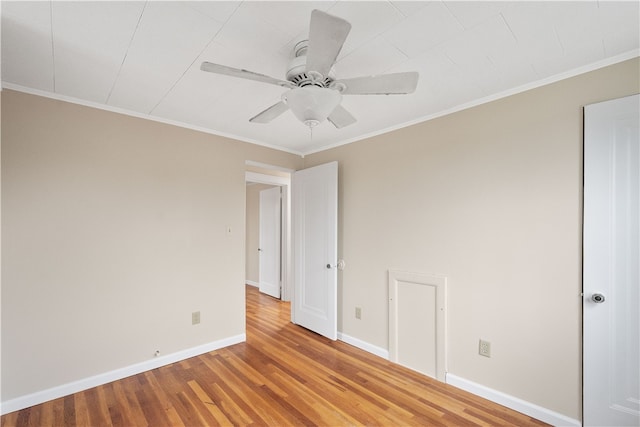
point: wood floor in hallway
(282, 375)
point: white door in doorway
(269, 246)
(611, 263)
(315, 225)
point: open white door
(611, 263)
(269, 259)
(315, 225)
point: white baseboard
(363, 345)
(107, 377)
(252, 283)
(512, 402)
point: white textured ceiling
(143, 58)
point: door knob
(340, 265)
(597, 298)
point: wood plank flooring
(282, 375)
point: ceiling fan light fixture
(311, 104)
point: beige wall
(113, 232)
(253, 231)
(0, 241)
(491, 198)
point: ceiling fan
(315, 94)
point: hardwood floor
(282, 375)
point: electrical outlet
(484, 349)
(358, 313)
(195, 317)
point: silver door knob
(597, 298)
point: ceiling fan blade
(270, 113)
(341, 117)
(327, 34)
(384, 84)
(243, 74)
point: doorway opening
(260, 177)
(313, 289)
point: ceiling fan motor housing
(297, 70)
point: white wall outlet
(358, 313)
(484, 349)
(195, 317)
